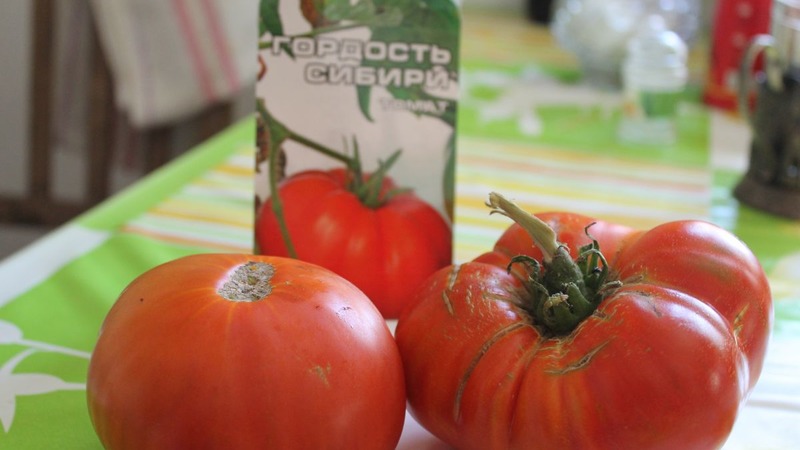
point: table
(528, 127)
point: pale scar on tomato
(451, 282)
(738, 321)
(322, 373)
(248, 283)
(448, 304)
(462, 384)
(581, 363)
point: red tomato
(387, 251)
(245, 352)
(674, 346)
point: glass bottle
(654, 76)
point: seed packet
(356, 109)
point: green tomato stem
(563, 292)
(277, 203)
(277, 135)
(320, 148)
(285, 133)
(543, 236)
(370, 194)
(367, 191)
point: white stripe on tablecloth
(40, 260)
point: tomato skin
(714, 267)
(659, 364)
(313, 365)
(387, 251)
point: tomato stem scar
(249, 282)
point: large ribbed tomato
(386, 245)
(655, 346)
(245, 352)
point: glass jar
(598, 31)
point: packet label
(365, 89)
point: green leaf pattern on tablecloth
(537, 106)
(14, 384)
(39, 375)
(49, 318)
(497, 96)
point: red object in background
(735, 24)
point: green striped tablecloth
(532, 131)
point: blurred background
(84, 110)
(84, 113)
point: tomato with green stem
(245, 352)
(383, 238)
(578, 333)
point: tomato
(671, 343)
(386, 249)
(245, 352)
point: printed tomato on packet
(346, 91)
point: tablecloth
(528, 127)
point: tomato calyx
(248, 282)
(562, 291)
(369, 188)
